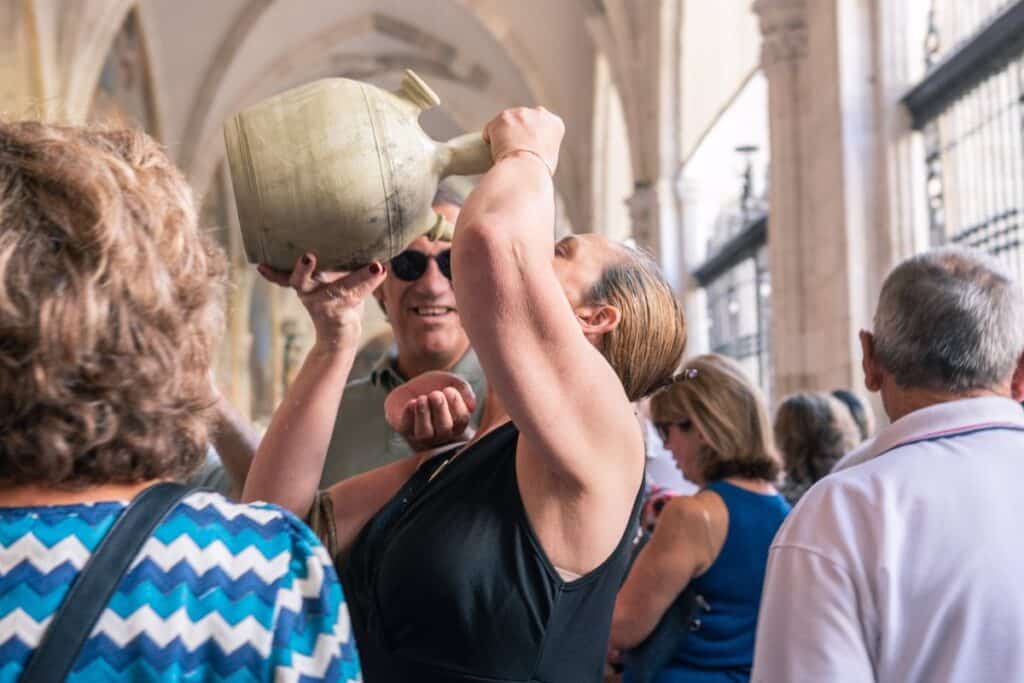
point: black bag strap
(89, 594)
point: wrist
(334, 349)
(339, 335)
(525, 153)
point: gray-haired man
(907, 566)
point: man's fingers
(423, 429)
(460, 412)
(440, 415)
(468, 397)
(408, 419)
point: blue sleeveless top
(723, 639)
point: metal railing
(970, 108)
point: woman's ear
(598, 318)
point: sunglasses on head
(411, 264)
(663, 427)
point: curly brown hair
(110, 302)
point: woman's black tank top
(449, 583)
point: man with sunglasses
(419, 302)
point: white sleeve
(809, 626)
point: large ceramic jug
(342, 169)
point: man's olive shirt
(362, 438)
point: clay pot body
(341, 169)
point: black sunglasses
(411, 264)
(663, 427)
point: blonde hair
(646, 346)
(110, 302)
(729, 411)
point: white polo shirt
(909, 566)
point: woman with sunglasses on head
(498, 561)
(715, 422)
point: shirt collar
(385, 371)
(945, 419)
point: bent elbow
(484, 254)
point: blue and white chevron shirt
(220, 592)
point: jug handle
(465, 155)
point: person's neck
(410, 365)
(901, 401)
(35, 495)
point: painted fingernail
(306, 260)
(376, 268)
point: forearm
(236, 442)
(510, 214)
(626, 632)
(634, 619)
(290, 458)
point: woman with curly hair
(714, 543)
(813, 431)
(110, 305)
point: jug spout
(416, 91)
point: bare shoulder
(686, 513)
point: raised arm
(290, 458)
(563, 396)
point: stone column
(654, 207)
(21, 77)
(818, 59)
(783, 59)
(691, 254)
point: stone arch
(125, 86)
(244, 22)
(87, 31)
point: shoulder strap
(71, 626)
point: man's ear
(872, 371)
(1017, 383)
(598, 318)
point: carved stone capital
(783, 31)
